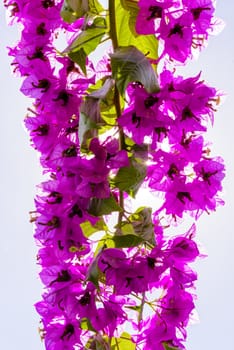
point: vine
(104, 132)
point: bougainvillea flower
(176, 306)
(183, 275)
(202, 12)
(166, 168)
(143, 115)
(183, 249)
(62, 335)
(150, 13)
(158, 333)
(211, 173)
(177, 36)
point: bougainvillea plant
(111, 118)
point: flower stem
(114, 39)
(112, 18)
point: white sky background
(19, 285)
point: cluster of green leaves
(124, 342)
(126, 14)
(136, 230)
(87, 41)
(132, 48)
(90, 36)
(142, 225)
(130, 178)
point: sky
(20, 287)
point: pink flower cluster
(181, 25)
(132, 288)
(175, 119)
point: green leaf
(103, 206)
(80, 58)
(135, 308)
(90, 116)
(123, 343)
(140, 151)
(127, 228)
(108, 110)
(87, 129)
(130, 178)
(105, 242)
(86, 324)
(89, 37)
(88, 229)
(106, 107)
(86, 41)
(98, 113)
(126, 13)
(101, 346)
(130, 65)
(94, 274)
(127, 241)
(170, 347)
(142, 224)
(73, 9)
(95, 7)
(103, 91)
(132, 7)
(102, 343)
